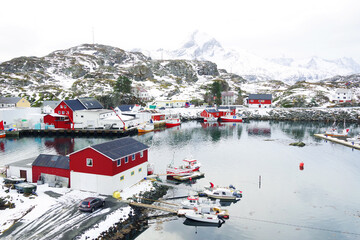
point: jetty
(338, 140)
(155, 207)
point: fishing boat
(193, 201)
(189, 166)
(172, 122)
(210, 119)
(335, 132)
(144, 128)
(223, 193)
(231, 118)
(2, 130)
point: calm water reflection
(324, 195)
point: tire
(92, 209)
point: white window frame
(141, 154)
(133, 157)
(126, 159)
(118, 162)
(89, 162)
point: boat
(190, 222)
(2, 134)
(231, 118)
(190, 176)
(172, 122)
(189, 166)
(334, 132)
(355, 139)
(223, 193)
(25, 187)
(210, 119)
(207, 215)
(194, 201)
(144, 128)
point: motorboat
(189, 166)
(208, 215)
(223, 193)
(231, 118)
(194, 201)
(355, 139)
(144, 128)
(172, 122)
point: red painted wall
(216, 114)
(257, 101)
(102, 165)
(37, 170)
(158, 117)
(63, 109)
(51, 120)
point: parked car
(90, 204)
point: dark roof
(125, 108)
(260, 96)
(120, 147)
(8, 100)
(74, 104)
(53, 161)
(226, 107)
(91, 103)
(52, 104)
(211, 110)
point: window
(65, 106)
(126, 159)
(139, 170)
(67, 112)
(133, 157)
(63, 112)
(122, 178)
(89, 162)
(118, 162)
(141, 154)
(132, 173)
(61, 106)
(59, 112)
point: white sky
(268, 28)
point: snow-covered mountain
(200, 46)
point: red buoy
(301, 166)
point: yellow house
(6, 102)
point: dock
(195, 175)
(77, 132)
(155, 207)
(340, 141)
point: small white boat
(190, 176)
(208, 215)
(210, 119)
(223, 193)
(172, 122)
(334, 132)
(355, 139)
(189, 166)
(197, 202)
(144, 128)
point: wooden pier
(77, 132)
(340, 141)
(143, 205)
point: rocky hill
(91, 70)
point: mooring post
(259, 181)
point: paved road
(62, 221)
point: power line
(298, 226)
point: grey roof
(91, 103)
(120, 147)
(53, 161)
(23, 163)
(52, 104)
(74, 104)
(260, 96)
(10, 100)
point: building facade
(260, 100)
(227, 98)
(342, 95)
(9, 102)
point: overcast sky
(268, 28)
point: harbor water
(280, 201)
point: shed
(52, 169)
(21, 169)
(259, 100)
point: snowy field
(53, 213)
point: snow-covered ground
(54, 211)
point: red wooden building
(66, 110)
(51, 169)
(211, 112)
(109, 166)
(259, 100)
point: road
(61, 221)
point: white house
(21, 169)
(140, 92)
(342, 95)
(227, 98)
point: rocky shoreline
(301, 114)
